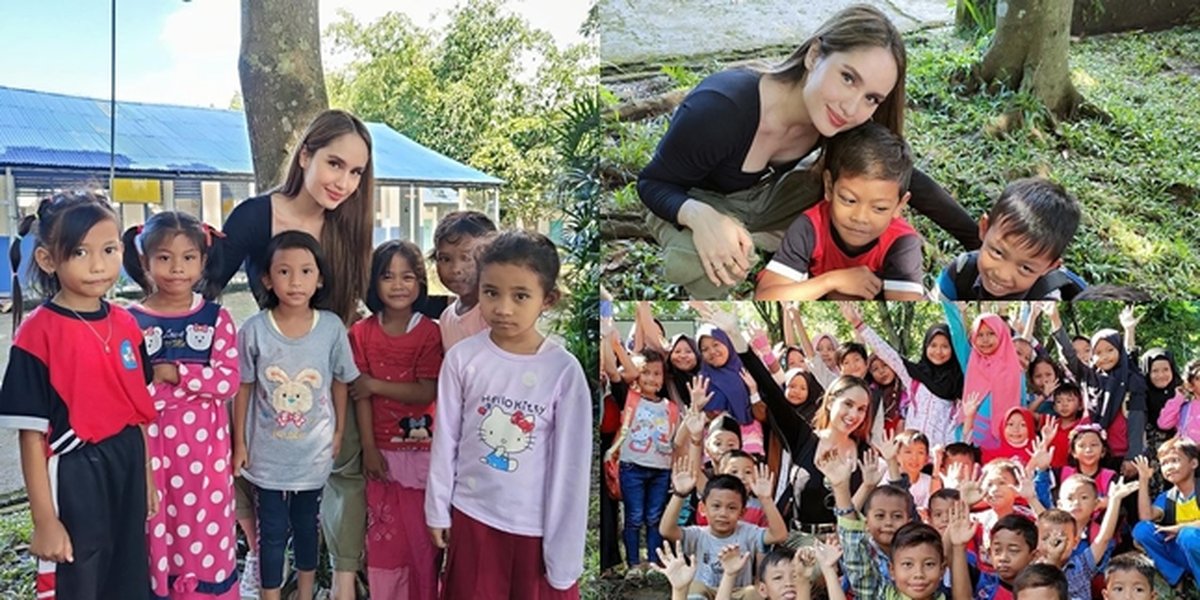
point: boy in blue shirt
(1024, 236)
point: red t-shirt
(405, 358)
(810, 248)
(60, 380)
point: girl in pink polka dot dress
(192, 347)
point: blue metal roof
(44, 130)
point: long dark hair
(142, 240)
(289, 240)
(62, 220)
(854, 27)
(347, 232)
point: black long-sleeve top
(707, 142)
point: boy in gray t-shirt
(724, 502)
(290, 421)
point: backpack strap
(966, 271)
(1066, 283)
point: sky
(176, 52)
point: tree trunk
(1029, 52)
(283, 83)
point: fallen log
(624, 226)
(646, 108)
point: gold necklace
(103, 340)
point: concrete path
(634, 31)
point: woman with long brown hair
(328, 192)
(725, 167)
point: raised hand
(1049, 387)
(1127, 319)
(1144, 471)
(970, 489)
(732, 559)
(970, 405)
(828, 555)
(1050, 429)
(804, 562)
(698, 389)
(749, 381)
(960, 529)
(694, 421)
(763, 487)
(872, 470)
(837, 468)
(682, 477)
(702, 308)
(726, 321)
(889, 448)
(851, 313)
(680, 570)
(1121, 489)
(1039, 456)
(1025, 487)
(1053, 547)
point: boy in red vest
(853, 244)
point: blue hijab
(725, 382)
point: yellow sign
(137, 191)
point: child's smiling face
(1161, 374)
(1105, 355)
(918, 570)
(938, 351)
(882, 373)
(1008, 264)
(1016, 430)
(999, 488)
(986, 341)
(913, 456)
(721, 442)
(740, 467)
(650, 378)
(1087, 448)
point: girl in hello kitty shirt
(192, 348)
(509, 466)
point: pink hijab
(998, 374)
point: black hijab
(946, 380)
(1115, 384)
(1156, 398)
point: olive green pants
(765, 210)
(344, 502)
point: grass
(1131, 160)
(17, 568)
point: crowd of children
(989, 466)
(134, 422)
